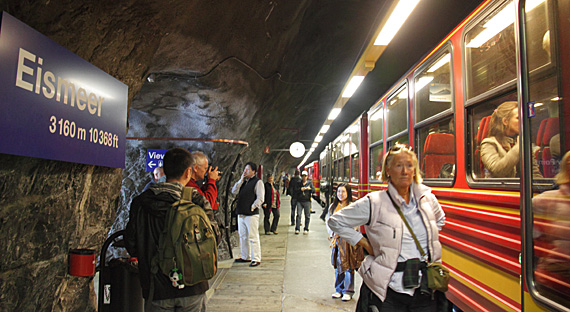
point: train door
(545, 210)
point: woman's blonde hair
(562, 177)
(496, 126)
(389, 157)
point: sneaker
(297, 232)
(241, 260)
(346, 297)
(275, 233)
(305, 232)
(336, 295)
(267, 233)
(254, 263)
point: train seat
(548, 128)
(439, 149)
(482, 132)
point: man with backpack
(147, 231)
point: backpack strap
(187, 193)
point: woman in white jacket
(392, 272)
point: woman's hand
(365, 243)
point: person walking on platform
(199, 170)
(146, 223)
(345, 258)
(251, 195)
(271, 205)
(391, 272)
(304, 196)
(294, 186)
(286, 184)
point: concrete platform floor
(295, 272)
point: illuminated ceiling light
(444, 60)
(353, 84)
(334, 113)
(556, 98)
(314, 145)
(324, 129)
(395, 21)
(318, 138)
(538, 104)
(422, 82)
(495, 25)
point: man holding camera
(199, 170)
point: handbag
(436, 273)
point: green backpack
(187, 248)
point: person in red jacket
(199, 169)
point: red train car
(506, 241)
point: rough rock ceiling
(246, 69)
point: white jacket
(384, 228)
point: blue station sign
(54, 104)
(154, 158)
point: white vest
(385, 235)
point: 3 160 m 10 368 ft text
(69, 129)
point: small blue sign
(154, 158)
(54, 104)
(531, 110)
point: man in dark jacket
(147, 220)
(271, 206)
(306, 190)
(294, 189)
(251, 195)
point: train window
(538, 35)
(354, 150)
(433, 102)
(490, 51)
(376, 123)
(346, 168)
(433, 88)
(436, 150)
(489, 158)
(376, 158)
(355, 168)
(397, 112)
(335, 169)
(550, 233)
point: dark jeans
(293, 208)
(303, 207)
(266, 214)
(395, 302)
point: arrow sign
(154, 158)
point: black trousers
(266, 214)
(395, 302)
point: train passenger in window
(552, 211)
(393, 270)
(500, 150)
(345, 258)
